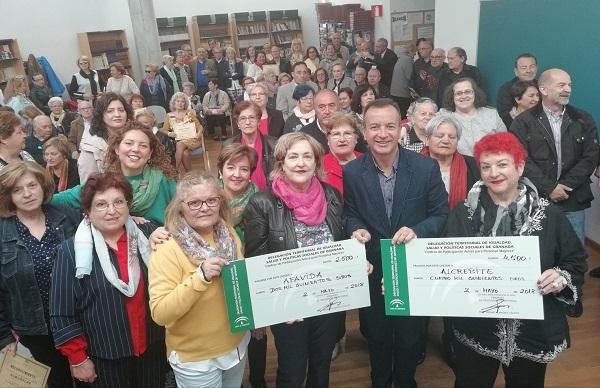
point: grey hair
(166, 58)
(179, 53)
(440, 119)
(54, 99)
(415, 105)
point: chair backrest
(159, 113)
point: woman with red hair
(504, 203)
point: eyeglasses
(198, 203)
(103, 206)
(460, 93)
(258, 94)
(244, 118)
(338, 135)
(307, 99)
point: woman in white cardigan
(120, 83)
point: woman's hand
(403, 235)
(11, 348)
(362, 235)
(211, 267)
(259, 334)
(551, 281)
(85, 371)
(159, 236)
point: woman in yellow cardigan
(181, 114)
(186, 290)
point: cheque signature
(495, 308)
(331, 303)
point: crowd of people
(113, 243)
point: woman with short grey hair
(419, 113)
(168, 73)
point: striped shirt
(556, 120)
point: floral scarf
(197, 249)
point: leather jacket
(269, 226)
(21, 307)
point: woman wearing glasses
(271, 120)
(99, 299)
(186, 290)
(247, 115)
(304, 112)
(466, 102)
(342, 139)
(86, 84)
(154, 88)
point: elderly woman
(111, 113)
(136, 153)
(31, 231)
(466, 102)
(12, 140)
(154, 88)
(61, 120)
(269, 78)
(284, 79)
(181, 115)
(341, 139)
(182, 69)
(419, 113)
(234, 73)
(186, 290)
(321, 78)
(59, 164)
(345, 99)
(148, 121)
(194, 100)
(312, 59)
(296, 52)
(247, 116)
(362, 57)
(504, 203)
(298, 211)
(304, 112)
(167, 71)
(271, 120)
(120, 83)
(16, 93)
(362, 96)
(86, 84)
(525, 95)
(255, 70)
(99, 298)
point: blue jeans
(577, 221)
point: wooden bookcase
(11, 62)
(251, 29)
(207, 27)
(104, 48)
(285, 26)
(172, 34)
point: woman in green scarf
(137, 154)
(236, 163)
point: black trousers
(309, 342)
(42, 349)
(474, 370)
(213, 121)
(257, 362)
(146, 371)
(395, 345)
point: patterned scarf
(197, 249)
(238, 204)
(57, 120)
(64, 176)
(490, 219)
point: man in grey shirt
(401, 77)
(285, 102)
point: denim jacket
(21, 307)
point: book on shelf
(174, 37)
(252, 29)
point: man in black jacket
(525, 70)
(562, 143)
(283, 64)
(385, 59)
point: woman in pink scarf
(298, 211)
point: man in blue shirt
(202, 69)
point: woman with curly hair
(136, 153)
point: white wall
(457, 24)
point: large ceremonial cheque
(298, 283)
(484, 277)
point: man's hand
(560, 193)
(362, 235)
(403, 235)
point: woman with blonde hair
(297, 51)
(186, 289)
(16, 94)
(59, 164)
(86, 84)
(180, 114)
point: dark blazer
(284, 65)
(168, 78)
(579, 156)
(92, 307)
(228, 77)
(21, 307)
(386, 65)
(269, 226)
(268, 146)
(420, 203)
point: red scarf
(259, 176)
(458, 179)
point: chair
(202, 150)
(159, 113)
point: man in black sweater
(525, 70)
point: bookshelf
(11, 62)
(104, 48)
(285, 26)
(216, 26)
(251, 29)
(172, 33)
